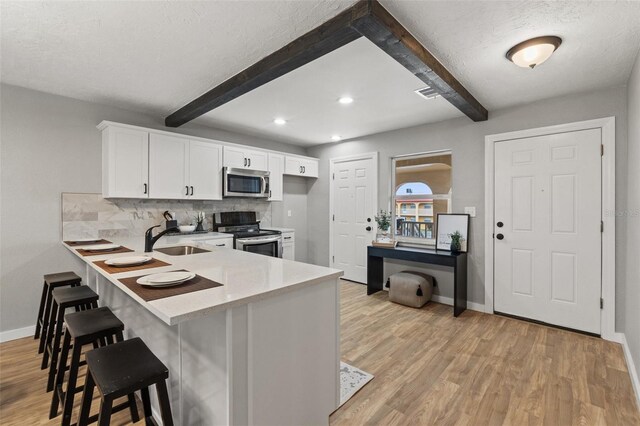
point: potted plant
(383, 219)
(456, 242)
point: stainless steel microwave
(245, 183)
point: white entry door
(547, 245)
(354, 208)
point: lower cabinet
(219, 242)
(288, 246)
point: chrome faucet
(150, 240)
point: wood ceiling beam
(366, 18)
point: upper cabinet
(180, 168)
(301, 166)
(276, 169)
(125, 162)
(205, 171)
(168, 163)
(244, 158)
(147, 163)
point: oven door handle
(263, 180)
(253, 242)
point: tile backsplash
(91, 216)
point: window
(421, 190)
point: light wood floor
(433, 369)
(430, 369)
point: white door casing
(354, 189)
(602, 129)
(547, 252)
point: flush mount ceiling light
(336, 138)
(280, 121)
(533, 52)
(345, 100)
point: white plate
(165, 279)
(103, 247)
(87, 240)
(128, 261)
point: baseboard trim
(633, 373)
(18, 333)
(472, 306)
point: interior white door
(354, 207)
(547, 245)
(205, 171)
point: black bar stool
(121, 369)
(95, 326)
(80, 298)
(51, 281)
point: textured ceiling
(157, 56)
(600, 43)
(383, 93)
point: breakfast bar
(255, 342)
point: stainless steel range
(247, 235)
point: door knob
(368, 228)
(500, 236)
(500, 224)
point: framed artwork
(447, 224)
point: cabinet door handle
(220, 245)
(187, 190)
(249, 160)
(300, 169)
(145, 188)
(287, 238)
(191, 190)
(269, 193)
(304, 169)
(245, 162)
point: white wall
(630, 308)
(50, 145)
(466, 140)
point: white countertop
(277, 228)
(245, 277)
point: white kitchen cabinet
(125, 162)
(276, 169)
(205, 171)
(299, 166)
(218, 242)
(243, 158)
(183, 169)
(288, 245)
(168, 165)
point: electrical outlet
(471, 211)
(288, 213)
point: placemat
(153, 293)
(122, 249)
(154, 263)
(81, 243)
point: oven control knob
(368, 228)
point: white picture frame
(448, 223)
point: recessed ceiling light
(336, 138)
(345, 100)
(531, 53)
(280, 121)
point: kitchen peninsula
(262, 348)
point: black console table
(457, 261)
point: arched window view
(422, 190)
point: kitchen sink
(181, 250)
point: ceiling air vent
(427, 93)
